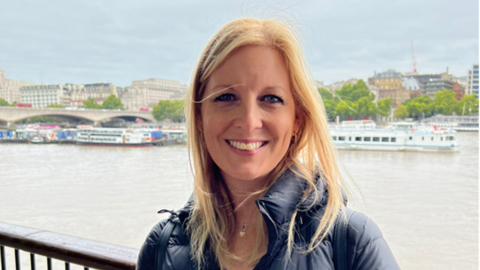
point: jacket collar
(286, 194)
(281, 200)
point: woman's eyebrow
(223, 87)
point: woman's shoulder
(177, 242)
(366, 246)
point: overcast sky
(66, 41)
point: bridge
(10, 115)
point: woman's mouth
(246, 146)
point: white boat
(87, 135)
(38, 140)
(402, 136)
(457, 123)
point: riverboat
(401, 136)
(87, 135)
(454, 122)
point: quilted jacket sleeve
(368, 248)
(146, 257)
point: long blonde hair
(211, 222)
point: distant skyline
(80, 42)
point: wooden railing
(71, 250)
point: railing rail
(84, 252)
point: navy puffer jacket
(366, 247)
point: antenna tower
(413, 58)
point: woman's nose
(249, 117)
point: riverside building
(10, 89)
(40, 96)
(472, 81)
(97, 91)
(147, 93)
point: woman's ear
(298, 121)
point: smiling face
(248, 115)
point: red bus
(144, 110)
(24, 105)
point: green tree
(467, 105)
(365, 107)
(400, 112)
(14, 104)
(345, 109)
(354, 92)
(384, 106)
(91, 104)
(445, 102)
(112, 103)
(3, 103)
(325, 93)
(57, 106)
(172, 109)
(330, 105)
(418, 106)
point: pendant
(244, 228)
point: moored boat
(87, 135)
(402, 136)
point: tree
(445, 102)
(400, 112)
(91, 104)
(420, 105)
(384, 106)
(467, 105)
(3, 103)
(365, 107)
(345, 109)
(172, 109)
(112, 103)
(57, 106)
(330, 105)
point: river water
(425, 203)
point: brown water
(425, 203)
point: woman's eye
(272, 99)
(225, 97)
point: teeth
(245, 146)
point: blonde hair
(211, 222)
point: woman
(267, 189)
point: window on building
(367, 139)
(376, 139)
(393, 139)
(384, 139)
(341, 138)
(358, 139)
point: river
(425, 203)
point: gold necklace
(242, 231)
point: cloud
(118, 41)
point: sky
(111, 41)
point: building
(40, 96)
(338, 85)
(398, 95)
(434, 85)
(10, 89)
(147, 93)
(459, 90)
(410, 83)
(388, 80)
(472, 81)
(392, 84)
(97, 91)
